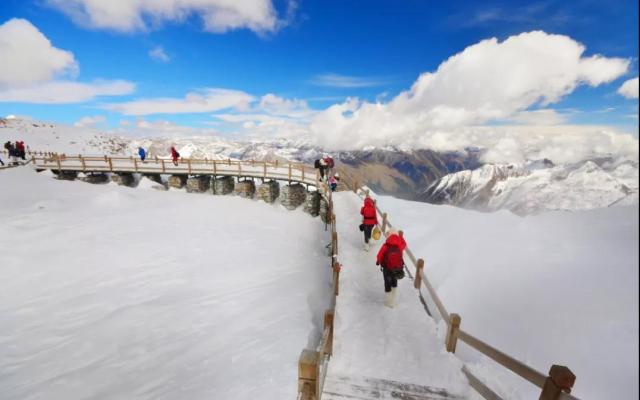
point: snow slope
(537, 186)
(116, 293)
(554, 288)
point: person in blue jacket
(142, 153)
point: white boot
(366, 247)
(394, 293)
(388, 299)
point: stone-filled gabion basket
(156, 178)
(312, 203)
(269, 191)
(65, 175)
(198, 184)
(324, 210)
(222, 185)
(123, 179)
(292, 196)
(177, 181)
(246, 189)
(95, 178)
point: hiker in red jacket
(391, 263)
(369, 220)
(174, 155)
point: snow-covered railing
(313, 363)
(556, 385)
(292, 172)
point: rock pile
(123, 179)
(198, 184)
(95, 178)
(177, 181)
(65, 175)
(269, 191)
(223, 185)
(246, 189)
(324, 210)
(293, 195)
(312, 203)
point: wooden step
(363, 388)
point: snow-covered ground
(117, 293)
(555, 288)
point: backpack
(316, 164)
(329, 162)
(392, 259)
(177, 154)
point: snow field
(110, 292)
(555, 288)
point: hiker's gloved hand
(377, 263)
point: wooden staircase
(363, 388)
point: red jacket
(174, 153)
(392, 240)
(368, 211)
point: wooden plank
(479, 386)
(503, 359)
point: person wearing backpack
(142, 153)
(369, 220)
(329, 164)
(391, 262)
(174, 155)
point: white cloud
(488, 81)
(128, 16)
(206, 100)
(629, 89)
(89, 121)
(158, 54)
(539, 117)
(345, 81)
(28, 57)
(65, 92)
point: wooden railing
(292, 172)
(313, 363)
(556, 385)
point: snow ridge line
(556, 385)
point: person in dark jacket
(142, 154)
(369, 220)
(390, 259)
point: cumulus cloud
(89, 121)
(158, 54)
(28, 57)
(345, 81)
(217, 16)
(488, 81)
(66, 92)
(629, 89)
(206, 100)
(539, 117)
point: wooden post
(84, 166)
(328, 323)
(302, 169)
(336, 277)
(334, 241)
(252, 162)
(105, 158)
(289, 172)
(308, 371)
(418, 279)
(239, 169)
(59, 166)
(264, 170)
(560, 379)
(229, 161)
(215, 168)
(135, 164)
(163, 167)
(276, 163)
(189, 165)
(383, 228)
(452, 332)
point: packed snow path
(377, 348)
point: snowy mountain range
(537, 186)
(455, 178)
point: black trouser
(367, 232)
(321, 172)
(390, 280)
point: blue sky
(318, 52)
